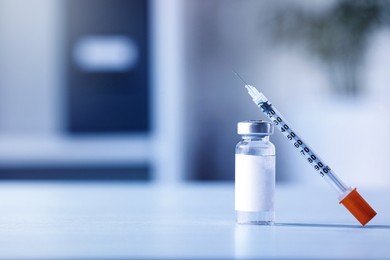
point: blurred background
(145, 90)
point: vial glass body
(255, 180)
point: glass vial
(255, 173)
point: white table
(132, 221)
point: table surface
(139, 220)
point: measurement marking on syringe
(285, 129)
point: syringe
(348, 196)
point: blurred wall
(29, 39)
(197, 100)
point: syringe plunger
(358, 207)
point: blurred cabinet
(107, 66)
(91, 87)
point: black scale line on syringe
(293, 137)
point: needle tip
(238, 75)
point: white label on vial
(254, 183)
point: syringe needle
(253, 92)
(240, 77)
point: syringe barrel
(311, 157)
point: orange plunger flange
(359, 208)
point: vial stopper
(359, 208)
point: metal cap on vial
(255, 127)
